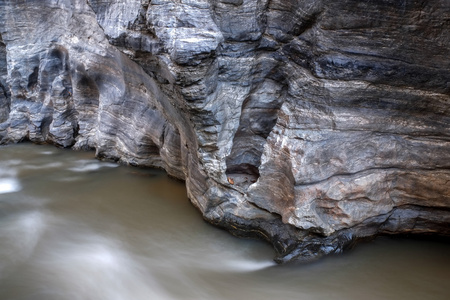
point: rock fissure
(370, 170)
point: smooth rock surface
(310, 124)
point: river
(72, 227)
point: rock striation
(311, 124)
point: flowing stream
(72, 227)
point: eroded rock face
(310, 124)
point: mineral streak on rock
(311, 124)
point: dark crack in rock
(310, 124)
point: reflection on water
(72, 227)
(9, 185)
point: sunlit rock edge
(309, 124)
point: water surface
(72, 227)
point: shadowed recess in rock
(258, 117)
(5, 97)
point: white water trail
(97, 267)
(91, 165)
(19, 236)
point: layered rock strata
(310, 124)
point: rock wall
(311, 124)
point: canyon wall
(311, 124)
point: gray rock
(310, 124)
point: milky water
(72, 227)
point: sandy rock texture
(311, 124)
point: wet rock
(310, 124)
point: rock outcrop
(311, 124)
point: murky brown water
(72, 227)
